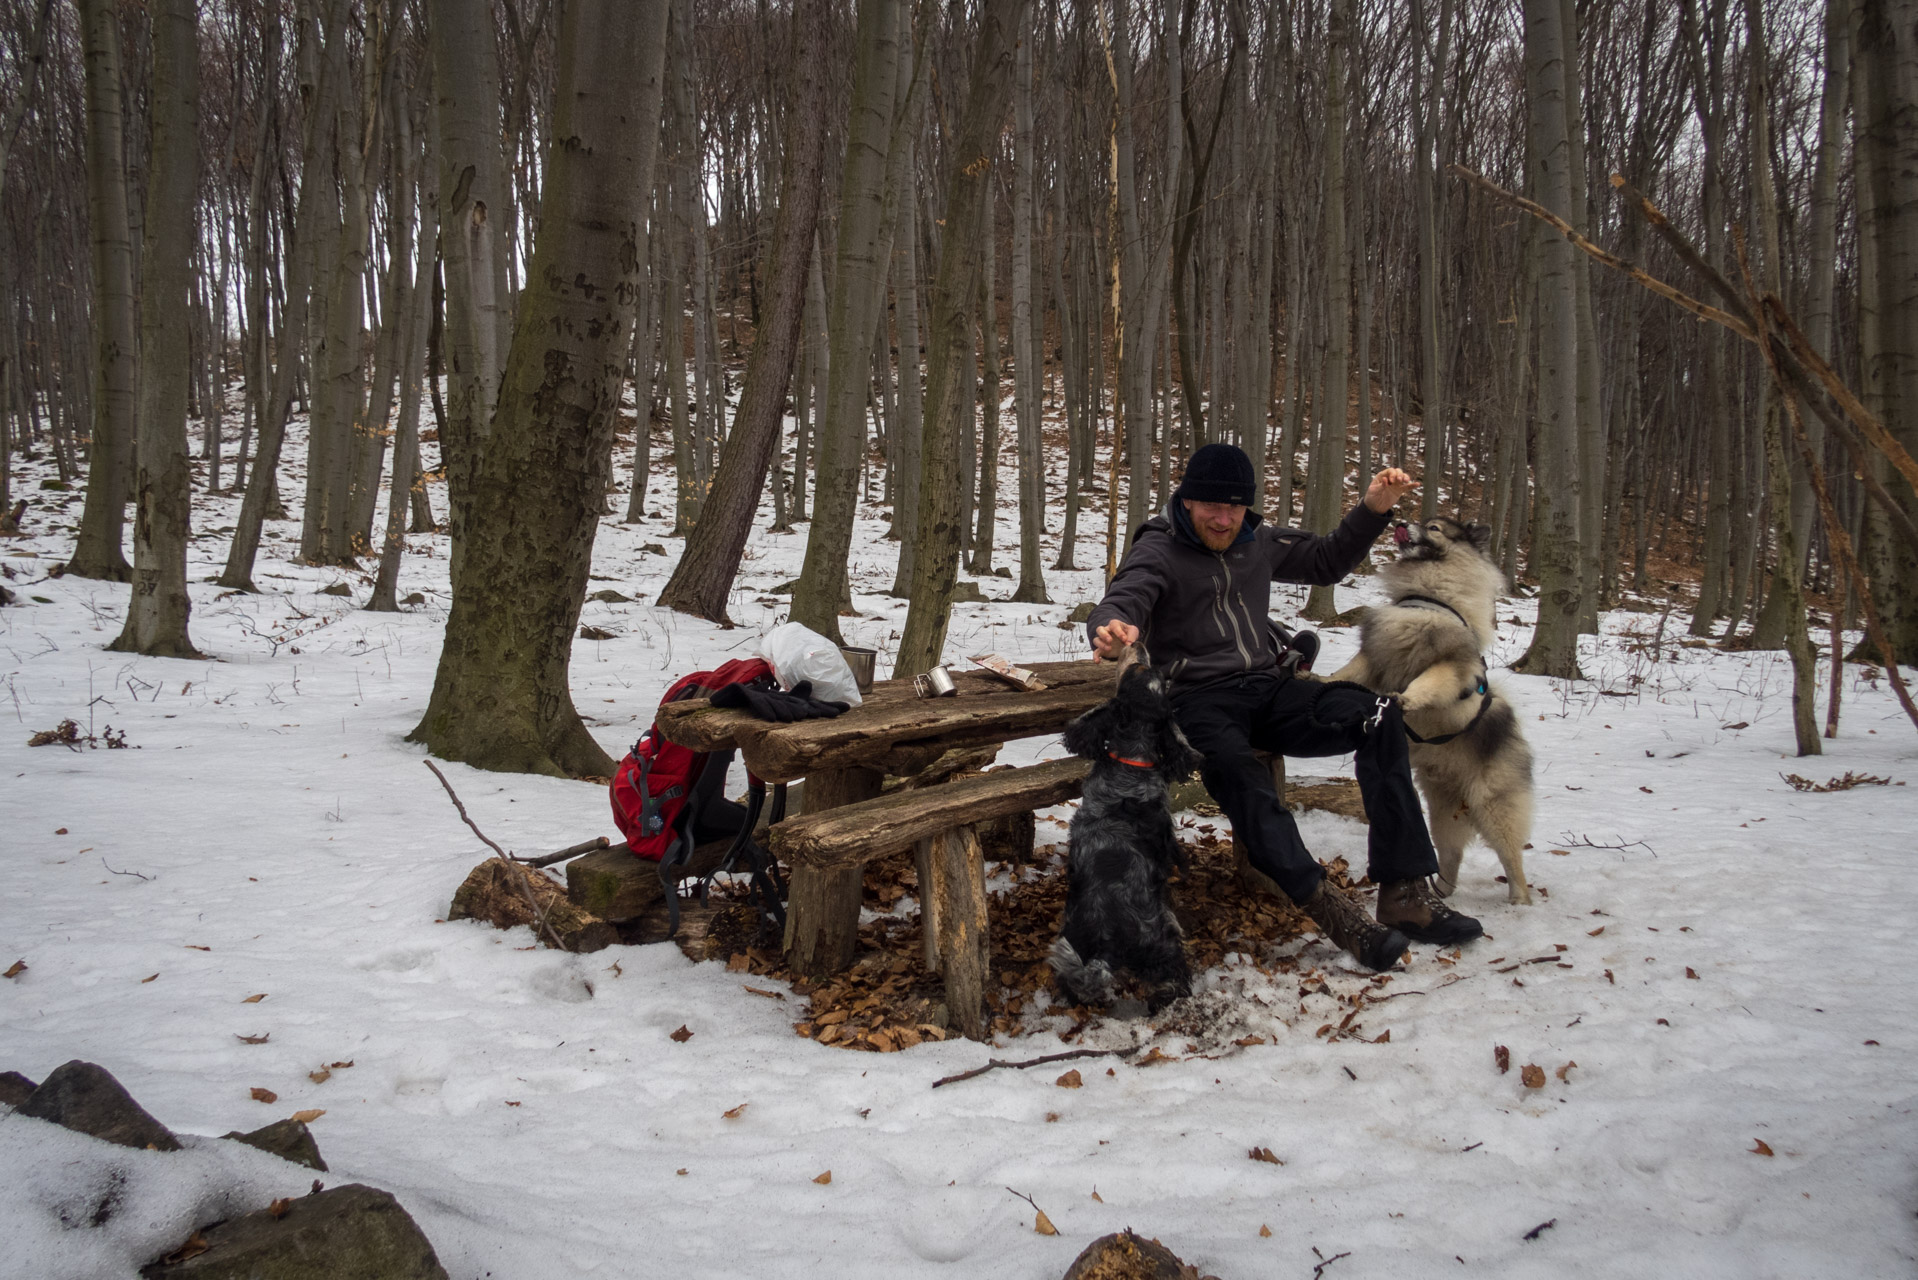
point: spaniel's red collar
(1136, 764)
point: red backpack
(651, 788)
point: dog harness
(1484, 688)
(1484, 705)
(1436, 604)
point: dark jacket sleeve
(1321, 560)
(1134, 591)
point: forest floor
(1711, 982)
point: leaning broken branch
(519, 872)
(1802, 382)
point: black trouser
(1229, 719)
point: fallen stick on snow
(993, 1063)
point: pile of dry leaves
(888, 1000)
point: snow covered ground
(1729, 980)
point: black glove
(770, 704)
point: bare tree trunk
(908, 461)
(1885, 66)
(1554, 648)
(1326, 489)
(1028, 372)
(475, 196)
(859, 278)
(262, 489)
(704, 576)
(415, 320)
(968, 179)
(156, 621)
(1432, 409)
(989, 394)
(97, 550)
(500, 696)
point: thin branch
(134, 874)
(1740, 321)
(520, 873)
(548, 859)
(995, 1063)
(1705, 311)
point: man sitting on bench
(1195, 587)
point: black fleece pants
(1226, 721)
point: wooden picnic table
(845, 760)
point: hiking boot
(1343, 919)
(1414, 908)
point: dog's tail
(1080, 981)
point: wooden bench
(940, 823)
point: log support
(822, 903)
(953, 910)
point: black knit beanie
(1218, 473)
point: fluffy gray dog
(1427, 646)
(1121, 849)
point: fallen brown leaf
(1070, 1080)
(1565, 1070)
(736, 1112)
(739, 963)
(1761, 1149)
(1246, 1042)
(254, 999)
(1043, 1225)
(680, 1172)
(1265, 1233)
(1690, 972)
(252, 1039)
(1263, 1155)
(770, 995)
(264, 1095)
(321, 1076)
(148, 978)
(1156, 1054)
(1593, 933)
(194, 946)
(280, 1207)
(1096, 1196)
(1532, 1075)
(340, 1066)
(1503, 1057)
(15, 969)
(309, 1115)
(681, 1036)
(195, 1246)
(824, 1179)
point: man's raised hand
(1388, 486)
(1110, 639)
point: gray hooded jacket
(1202, 614)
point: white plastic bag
(800, 653)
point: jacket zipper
(1219, 602)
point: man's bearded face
(1217, 523)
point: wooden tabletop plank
(857, 833)
(985, 709)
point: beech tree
(500, 695)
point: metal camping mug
(936, 683)
(862, 662)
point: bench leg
(822, 906)
(958, 921)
